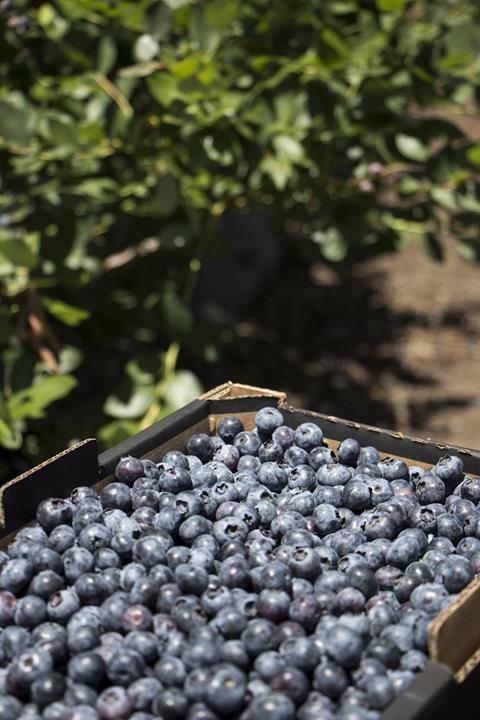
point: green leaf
(222, 13)
(67, 314)
(278, 171)
(205, 35)
(182, 388)
(335, 42)
(473, 155)
(332, 244)
(107, 54)
(116, 431)
(163, 87)
(101, 189)
(411, 147)
(142, 69)
(69, 359)
(390, 5)
(287, 148)
(137, 405)
(10, 435)
(18, 119)
(444, 197)
(32, 401)
(17, 252)
(185, 68)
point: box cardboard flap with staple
(454, 637)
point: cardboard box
(445, 687)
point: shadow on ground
(388, 346)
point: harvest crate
(448, 684)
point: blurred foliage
(127, 129)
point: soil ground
(396, 345)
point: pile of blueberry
(257, 576)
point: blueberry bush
(127, 129)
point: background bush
(128, 128)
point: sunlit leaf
(182, 388)
(68, 314)
(33, 401)
(135, 407)
(411, 147)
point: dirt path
(396, 345)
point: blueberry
(150, 550)
(349, 451)
(78, 694)
(91, 589)
(470, 489)
(293, 682)
(228, 427)
(393, 469)
(272, 476)
(53, 512)
(380, 692)
(305, 563)
(170, 704)
(450, 470)
(454, 573)
(31, 665)
(295, 456)
(61, 538)
(357, 494)
(450, 527)
(428, 597)
(301, 476)
(124, 667)
(363, 579)
(430, 489)
(170, 671)
(368, 455)
(129, 469)
(229, 455)
(175, 480)
(284, 436)
(47, 688)
(275, 706)
(403, 551)
(273, 605)
(15, 575)
(200, 711)
(468, 547)
(114, 704)
(332, 474)
(116, 495)
(258, 636)
(247, 443)
(367, 669)
(330, 679)
(30, 611)
(76, 562)
(87, 668)
(267, 420)
(345, 541)
(10, 708)
(305, 610)
(300, 652)
(385, 651)
(269, 664)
